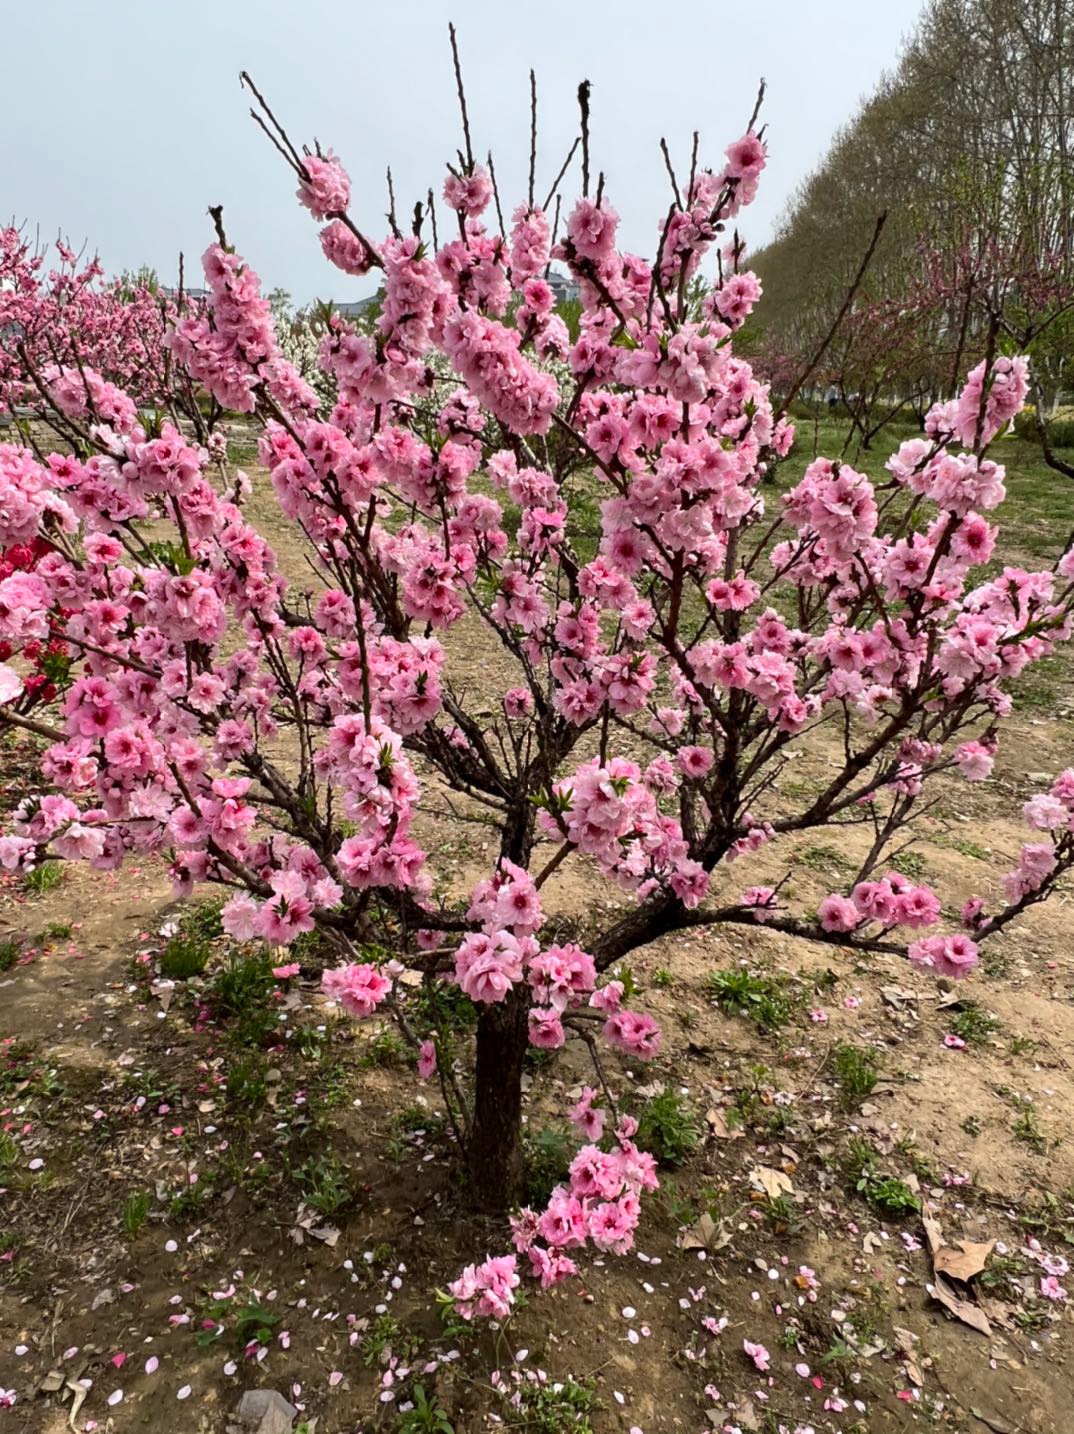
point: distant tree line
(966, 146)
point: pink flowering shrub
(276, 737)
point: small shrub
(667, 1128)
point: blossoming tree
(275, 740)
(69, 316)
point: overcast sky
(125, 120)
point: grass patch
(43, 879)
(760, 999)
(857, 1070)
(10, 950)
(886, 1193)
(668, 1128)
(135, 1212)
(974, 1024)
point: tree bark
(496, 1133)
(653, 919)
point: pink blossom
(757, 1353)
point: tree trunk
(496, 1133)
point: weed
(547, 1154)
(826, 859)
(385, 1337)
(667, 1128)
(135, 1212)
(202, 920)
(247, 1079)
(918, 1161)
(386, 1048)
(973, 1023)
(324, 1181)
(549, 1407)
(10, 1153)
(973, 1125)
(760, 999)
(886, 1193)
(1000, 1276)
(43, 879)
(1027, 1129)
(963, 846)
(437, 1007)
(426, 1417)
(1021, 1045)
(10, 950)
(662, 978)
(857, 1070)
(408, 1125)
(59, 931)
(241, 993)
(249, 1323)
(910, 864)
(184, 956)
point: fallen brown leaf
(705, 1234)
(964, 1310)
(722, 1131)
(963, 1263)
(773, 1182)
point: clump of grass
(857, 1070)
(241, 994)
(190, 946)
(973, 1023)
(761, 999)
(135, 1212)
(667, 1128)
(10, 951)
(43, 879)
(662, 978)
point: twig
(583, 105)
(462, 99)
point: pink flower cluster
(599, 1205)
